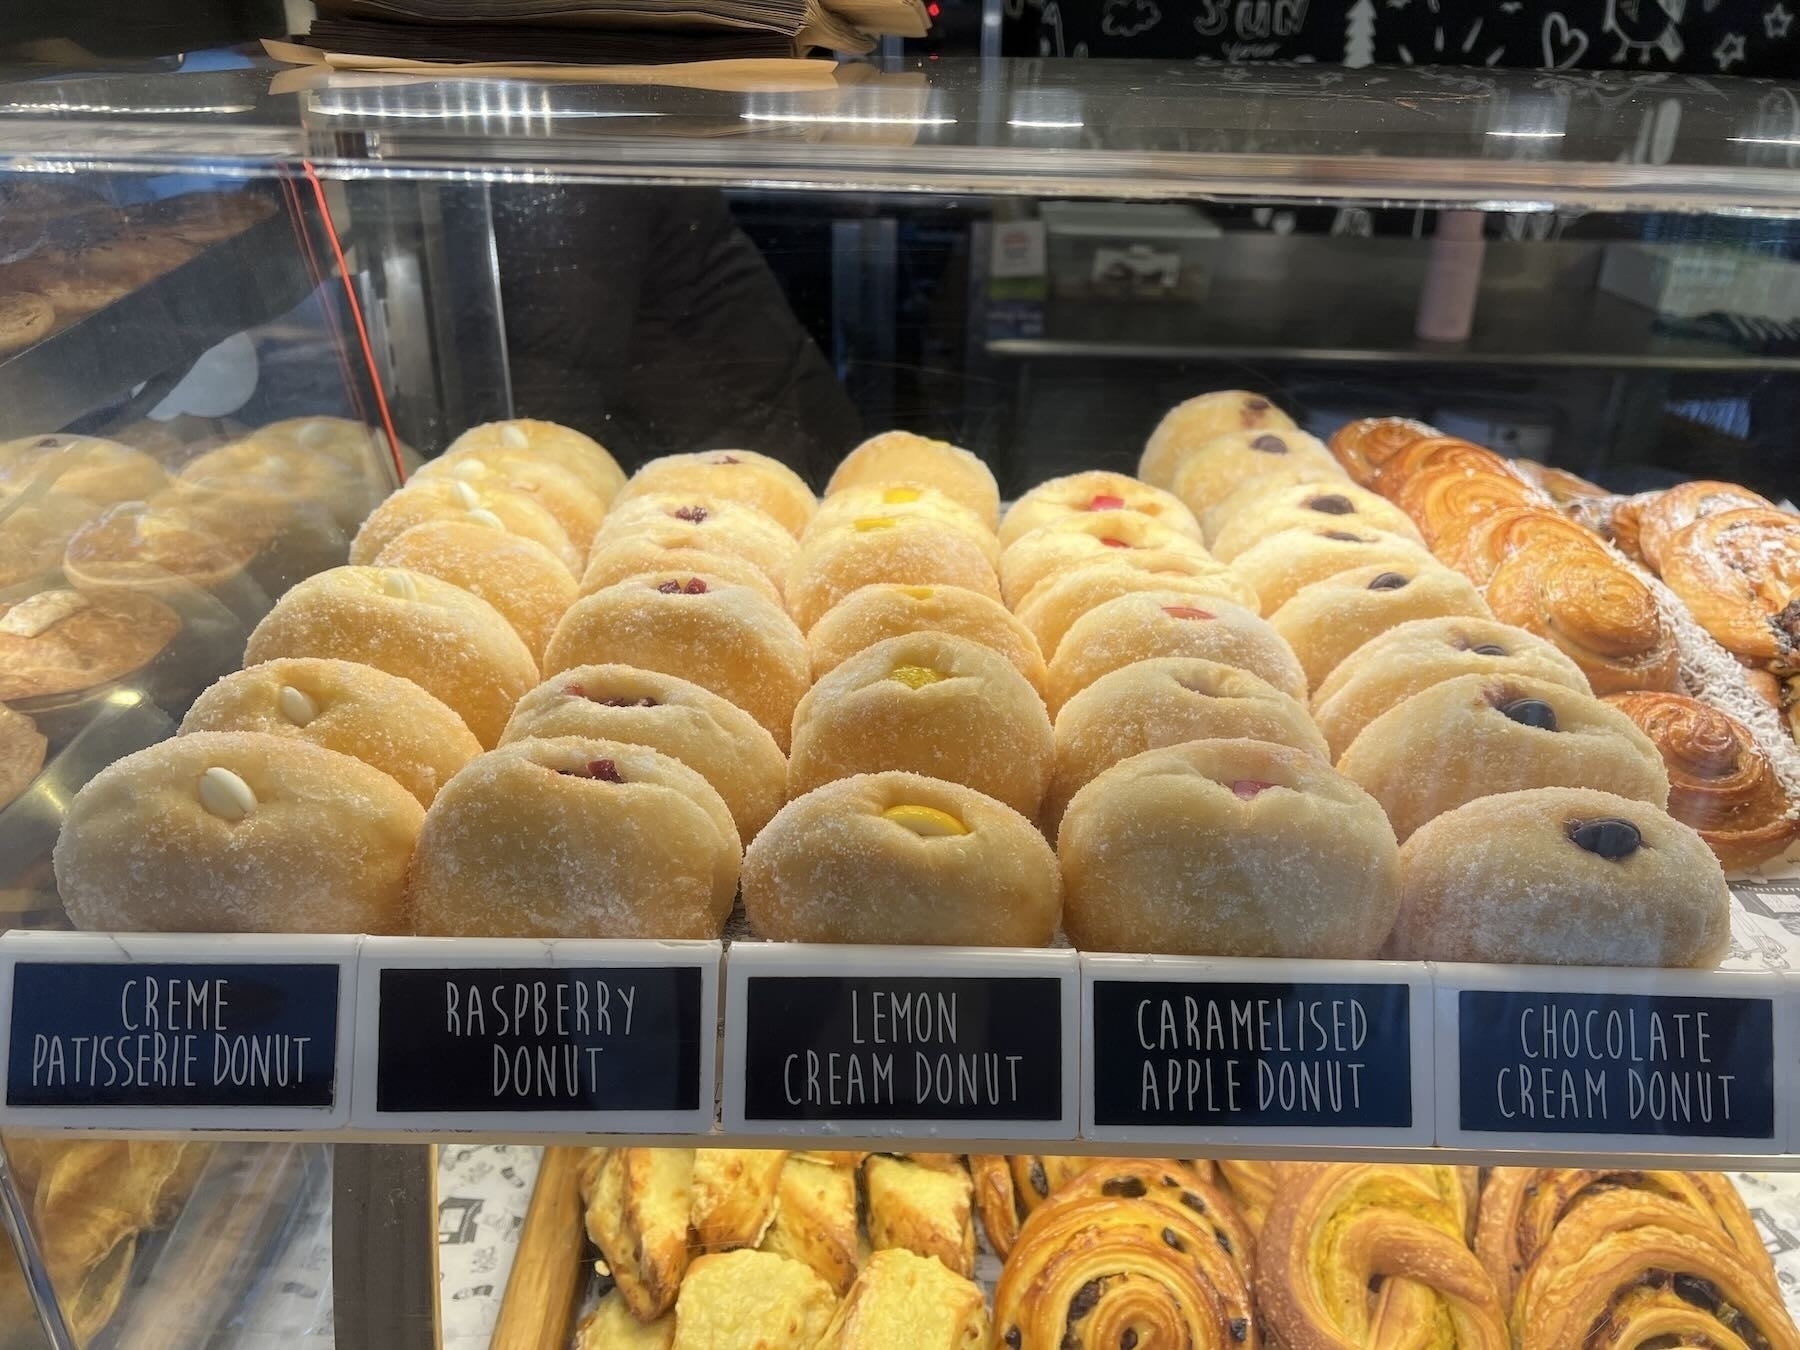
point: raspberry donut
(1051, 606)
(910, 550)
(893, 858)
(1329, 619)
(738, 475)
(1085, 538)
(1260, 509)
(901, 457)
(552, 443)
(1279, 565)
(1214, 470)
(1189, 425)
(619, 560)
(519, 577)
(900, 499)
(578, 508)
(874, 613)
(705, 524)
(1097, 490)
(453, 499)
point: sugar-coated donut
(519, 577)
(931, 704)
(1561, 876)
(1327, 620)
(908, 550)
(1228, 848)
(1193, 423)
(575, 837)
(1268, 509)
(902, 457)
(1095, 490)
(739, 475)
(1276, 475)
(897, 859)
(704, 524)
(1423, 652)
(1168, 701)
(578, 508)
(718, 740)
(630, 558)
(1280, 564)
(563, 446)
(452, 644)
(1085, 538)
(1168, 623)
(874, 613)
(725, 638)
(1051, 606)
(1210, 472)
(899, 499)
(238, 832)
(452, 499)
(1477, 735)
(387, 722)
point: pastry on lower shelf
(22, 749)
(100, 470)
(25, 317)
(578, 508)
(717, 739)
(1738, 572)
(1228, 848)
(1213, 471)
(1259, 509)
(1328, 620)
(563, 446)
(927, 1210)
(815, 1219)
(452, 644)
(1477, 735)
(1096, 490)
(901, 1301)
(1662, 515)
(1194, 422)
(1561, 876)
(38, 527)
(1365, 445)
(725, 638)
(738, 475)
(60, 642)
(894, 858)
(517, 576)
(637, 1215)
(237, 832)
(902, 457)
(734, 1195)
(901, 499)
(1091, 537)
(387, 722)
(1276, 567)
(931, 704)
(1051, 607)
(575, 837)
(622, 559)
(875, 613)
(611, 1326)
(704, 523)
(315, 498)
(429, 499)
(751, 1301)
(910, 550)
(160, 547)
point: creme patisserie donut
(1477, 735)
(707, 524)
(387, 722)
(897, 859)
(1561, 876)
(1266, 509)
(899, 499)
(453, 499)
(1168, 623)
(454, 645)
(1278, 565)
(718, 740)
(1191, 424)
(1085, 538)
(725, 638)
(1228, 848)
(519, 577)
(902, 457)
(1423, 652)
(1212, 471)
(575, 837)
(910, 550)
(1051, 606)
(551, 442)
(739, 475)
(619, 560)
(578, 508)
(927, 703)
(1329, 619)
(1095, 490)
(1167, 701)
(238, 832)
(872, 614)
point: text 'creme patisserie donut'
(1051, 607)
(1227, 848)
(552, 442)
(1168, 623)
(1363, 446)
(894, 858)
(900, 499)
(1194, 422)
(738, 475)
(1561, 876)
(695, 521)
(578, 508)
(454, 645)
(575, 837)
(1277, 566)
(911, 550)
(725, 638)
(873, 614)
(237, 832)
(902, 457)
(1090, 537)
(453, 499)
(519, 577)
(1738, 572)
(1423, 652)
(1213, 471)
(1152, 704)
(931, 704)
(1299, 506)
(387, 722)
(1663, 514)
(1330, 619)
(1096, 490)
(1480, 734)
(613, 561)
(718, 740)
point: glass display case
(612, 696)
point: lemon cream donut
(238, 832)
(1266, 509)
(739, 475)
(873, 614)
(387, 722)
(552, 443)
(901, 457)
(578, 508)
(706, 524)
(1277, 566)
(1097, 490)
(931, 704)
(575, 837)
(1228, 848)
(519, 577)
(616, 560)
(1051, 606)
(1090, 537)
(1327, 620)
(909, 550)
(1164, 702)
(1187, 426)
(453, 499)
(900, 499)
(724, 638)
(1213, 471)
(452, 644)
(893, 858)
(718, 740)
(1481, 734)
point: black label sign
(1185, 1053)
(535, 1039)
(112, 1034)
(1646, 1064)
(886, 1047)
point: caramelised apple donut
(894, 858)
(705, 524)
(519, 577)
(902, 457)
(1051, 606)
(1329, 619)
(899, 499)
(1095, 490)
(1263, 509)
(453, 499)
(1194, 422)
(909, 550)
(1214, 470)
(551, 442)
(872, 614)
(1083, 538)
(1589, 604)
(578, 508)
(1363, 446)
(1277, 567)
(740, 475)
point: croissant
(1130, 1253)
(1439, 452)
(1375, 1255)
(1487, 541)
(1738, 572)
(1363, 446)
(1591, 606)
(1446, 504)
(1666, 513)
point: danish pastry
(1087, 538)
(638, 1201)
(873, 614)
(734, 1195)
(901, 457)
(1487, 541)
(1662, 515)
(1265, 509)
(1096, 490)
(551, 442)
(1363, 446)
(909, 550)
(1738, 572)
(1055, 603)
(905, 1302)
(925, 1210)
(1210, 472)
(1329, 619)
(519, 577)
(1191, 424)
(1435, 454)
(739, 475)
(430, 499)
(1278, 565)
(703, 524)
(1590, 605)
(751, 1301)
(1447, 502)
(815, 1219)
(611, 1326)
